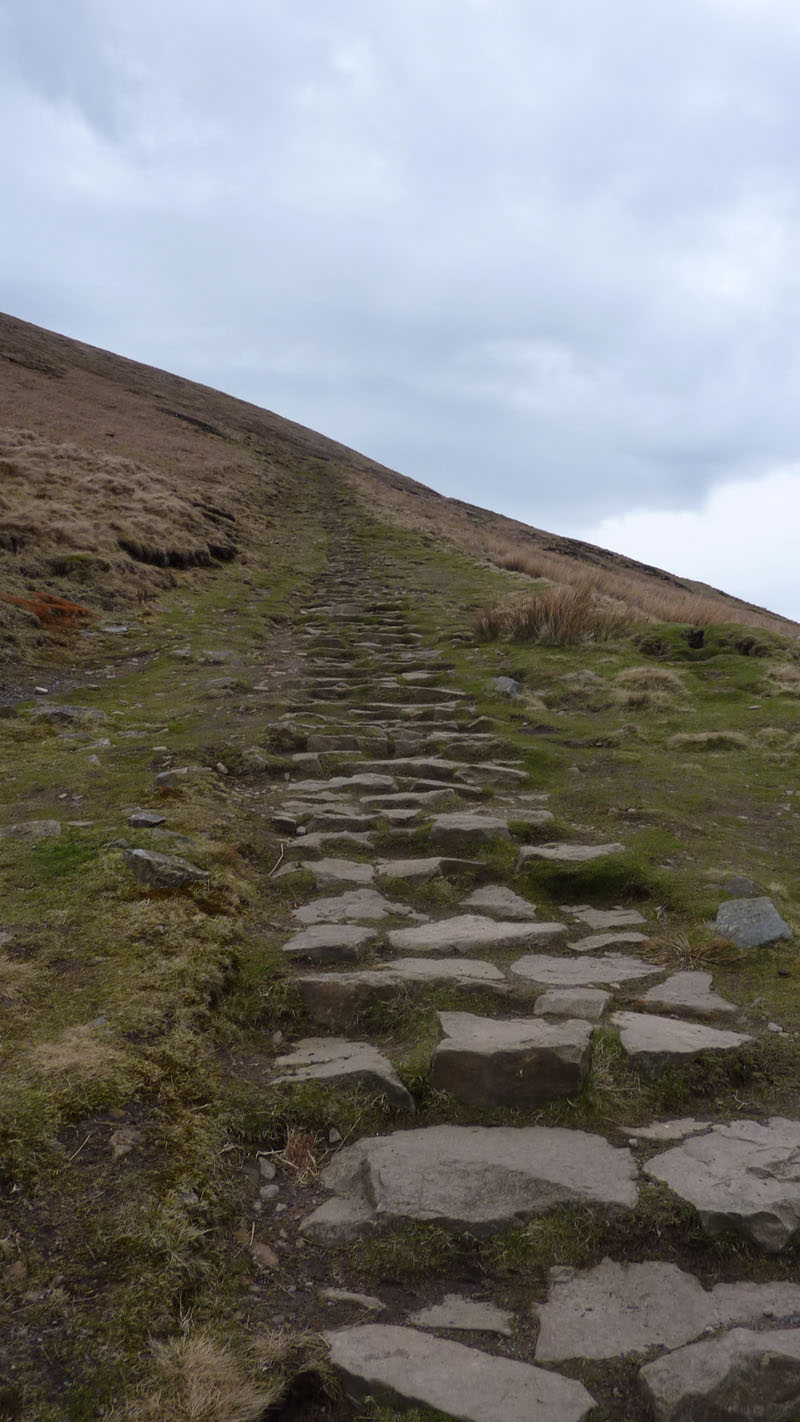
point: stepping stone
(337, 999)
(655, 1043)
(533, 819)
(406, 1368)
(345, 782)
(687, 992)
(465, 1315)
(568, 853)
(335, 820)
(328, 741)
(744, 1376)
(603, 919)
(751, 923)
(415, 767)
(470, 930)
(332, 1059)
(330, 873)
(606, 940)
(488, 1061)
(614, 968)
(354, 907)
(410, 800)
(743, 1176)
(474, 1177)
(330, 943)
(589, 1003)
(499, 902)
(504, 777)
(453, 829)
(419, 871)
(307, 845)
(162, 871)
(618, 1309)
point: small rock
(162, 870)
(464, 1315)
(145, 819)
(365, 1301)
(589, 1003)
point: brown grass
(78, 1051)
(709, 740)
(15, 978)
(556, 616)
(200, 1379)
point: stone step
(610, 970)
(746, 1376)
(355, 906)
(566, 853)
(523, 1062)
(688, 993)
(333, 1060)
(499, 902)
(420, 871)
(470, 931)
(308, 846)
(330, 943)
(337, 1000)
(655, 1043)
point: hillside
(398, 911)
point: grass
(558, 616)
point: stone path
(420, 832)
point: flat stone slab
(372, 783)
(670, 1130)
(489, 1061)
(654, 1043)
(465, 1315)
(32, 829)
(456, 827)
(589, 1003)
(478, 1177)
(602, 919)
(499, 902)
(751, 923)
(687, 992)
(744, 1376)
(594, 941)
(162, 871)
(330, 873)
(568, 853)
(337, 999)
(332, 1059)
(618, 1309)
(742, 1176)
(145, 819)
(419, 871)
(307, 846)
(353, 907)
(330, 943)
(581, 972)
(406, 1368)
(469, 931)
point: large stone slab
(581, 972)
(331, 873)
(470, 931)
(618, 1309)
(690, 993)
(751, 923)
(311, 846)
(477, 1177)
(500, 902)
(568, 853)
(419, 871)
(595, 941)
(358, 783)
(406, 1368)
(744, 1376)
(589, 1003)
(458, 827)
(603, 919)
(464, 1315)
(524, 1062)
(360, 905)
(332, 1059)
(654, 1043)
(742, 1176)
(330, 943)
(337, 1000)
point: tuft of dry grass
(559, 615)
(709, 740)
(15, 977)
(648, 686)
(77, 1052)
(785, 677)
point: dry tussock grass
(198, 1378)
(78, 1051)
(557, 615)
(785, 677)
(709, 740)
(648, 687)
(15, 978)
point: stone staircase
(400, 783)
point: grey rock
(360, 904)
(687, 992)
(603, 919)
(499, 902)
(330, 942)
(170, 779)
(365, 1301)
(654, 1043)
(739, 886)
(670, 1130)
(581, 972)
(32, 829)
(455, 828)
(346, 782)
(507, 686)
(478, 1177)
(568, 853)
(332, 1059)
(589, 1003)
(336, 1000)
(145, 819)
(464, 1315)
(469, 931)
(751, 923)
(68, 715)
(407, 1368)
(593, 941)
(524, 1062)
(742, 1176)
(437, 866)
(744, 1376)
(308, 846)
(618, 1309)
(331, 873)
(162, 871)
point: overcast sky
(543, 255)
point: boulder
(751, 923)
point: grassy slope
(138, 1027)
